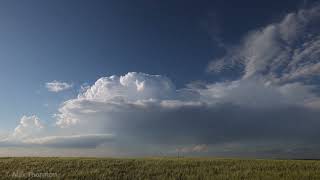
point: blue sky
(78, 41)
(200, 49)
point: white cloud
(32, 132)
(130, 87)
(109, 94)
(81, 140)
(281, 52)
(193, 149)
(56, 86)
(28, 126)
(276, 64)
(211, 113)
(256, 93)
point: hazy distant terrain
(157, 168)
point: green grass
(157, 168)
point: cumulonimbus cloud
(214, 113)
(270, 99)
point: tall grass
(157, 168)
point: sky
(153, 78)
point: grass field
(157, 168)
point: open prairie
(157, 168)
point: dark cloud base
(221, 123)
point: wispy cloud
(57, 86)
(281, 52)
(200, 148)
